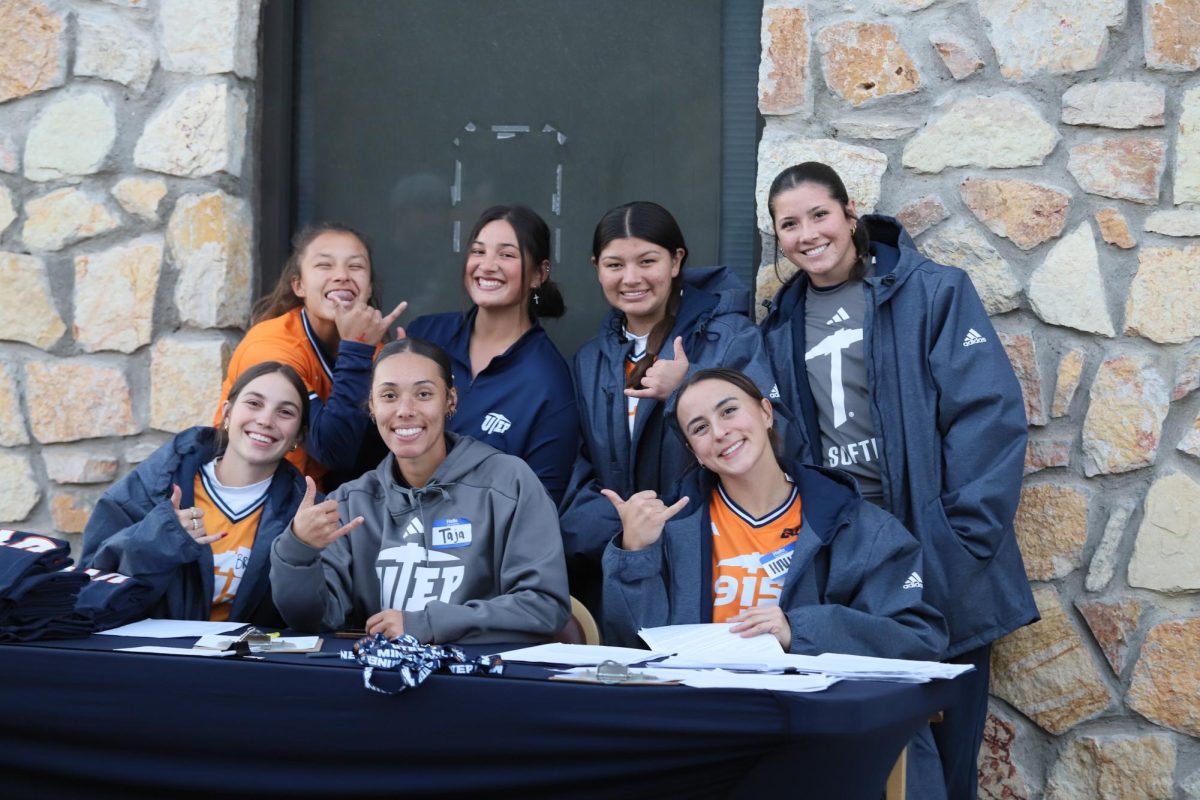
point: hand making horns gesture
(317, 524)
(358, 322)
(643, 516)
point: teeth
(816, 251)
(407, 431)
(732, 448)
(258, 437)
(634, 295)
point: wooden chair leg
(898, 778)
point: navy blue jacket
(849, 588)
(716, 332)
(134, 531)
(522, 404)
(950, 421)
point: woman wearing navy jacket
(893, 365)
(514, 387)
(665, 321)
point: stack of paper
(578, 655)
(866, 668)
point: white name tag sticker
(453, 532)
(776, 563)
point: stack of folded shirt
(37, 598)
(111, 599)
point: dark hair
(282, 298)
(731, 376)
(533, 240)
(420, 347)
(651, 222)
(822, 175)
(253, 373)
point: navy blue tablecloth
(77, 719)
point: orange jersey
(750, 556)
(231, 553)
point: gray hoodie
(474, 556)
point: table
(77, 719)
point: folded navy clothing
(36, 597)
(111, 599)
(23, 554)
(54, 628)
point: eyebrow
(500, 244)
(716, 407)
(331, 255)
(393, 384)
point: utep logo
(495, 423)
(27, 541)
(410, 576)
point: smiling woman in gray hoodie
(448, 540)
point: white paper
(722, 679)
(581, 655)
(172, 628)
(712, 644)
(174, 651)
(278, 644)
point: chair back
(580, 628)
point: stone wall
(1052, 150)
(125, 236)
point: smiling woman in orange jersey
(448, 540)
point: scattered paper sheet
(711, 643)
(280, 644)
(581, 655)
(172, 628)
(174, 651)
(722, 679)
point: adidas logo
(914, 582)
(840, 316)
(973, 337)
(414, 528)
(495, 423)
(774, 395)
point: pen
(325, 655)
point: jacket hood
(707, 292)
(463, 455)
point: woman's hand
(359, 322)
(389, 622)
(192, 520)
(317, 524)
(664, 375)
(764, 619)
(643, 516)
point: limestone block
(1171, 34)
(1062, 37)
(139, 452)
(1027, 213)
(1114, 228)
(1190, 443)
(1070, 369)
(34, 56)
(1114, 104)
(1114, 768)
(114, 295)
(21, 492)
(10, 160)
(1045, 672)
(784, 84)
(141, 196)
(210, 37)
(72, 135)
(922, 214)
(962, 246)
(1123, 169)
(1072, 263)
(863, 127)
(958, 52)
(1191, 786)
(1165, 688)
(865, 60)
(1043, 454)
(1176, 222)
(1113, 623)
(1164, 298)
(75, 465)
(185, 380)
(1000, 776)
(1187, 149)
(73, 399)
(1127, 407)
(1000, 131)
(28, 315)
(1187, 375)
(1051, 525)
(65, 216)
(7, 212)
(115, 49)
(210, 241)
(70, 513)
(12, 421)
(1166, 553)
(1104, 560)
(901, 6)
(861, 168)
(1023, 356)
(199, 131)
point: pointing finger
(390, 318)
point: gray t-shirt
(837, 373)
